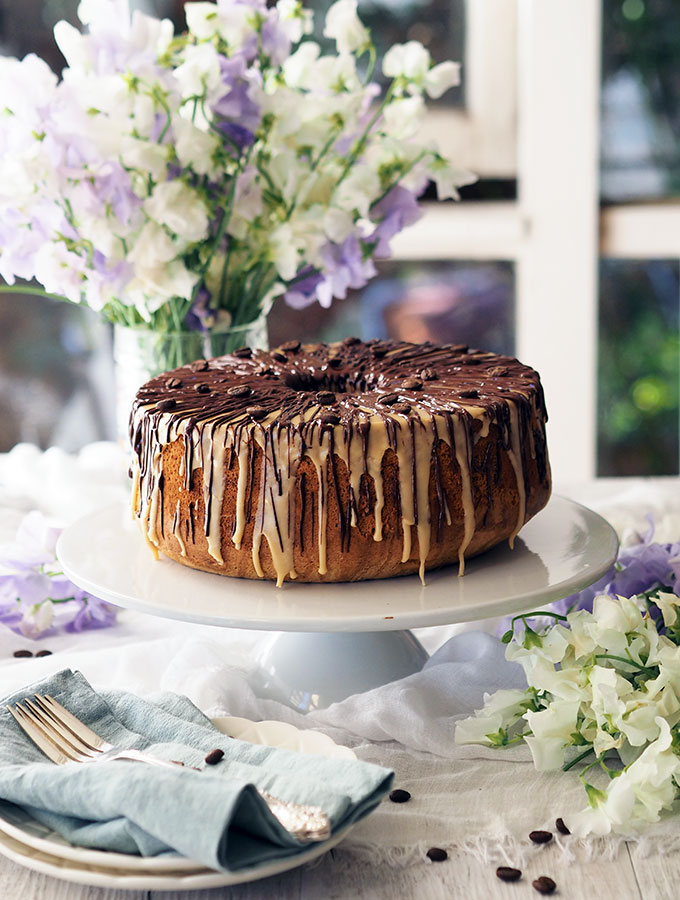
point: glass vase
(140, 353)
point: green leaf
(595, 796)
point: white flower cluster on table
(606, 684)
(187, 181)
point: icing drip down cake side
(338, 462)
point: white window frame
(555, 232)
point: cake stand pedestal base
(312, 670)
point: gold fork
(63, 738)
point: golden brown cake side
(338, 462)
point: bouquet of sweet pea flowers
(603, 692)
(184, 182)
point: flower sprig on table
(186, 181)
(36, 597)
(603, 693)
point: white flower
(500, 710)
(476, 729)
(404, 117)
(149, 158)
(358, 191)
(552, 729)
(153, 285)
(195, 148)
(180, 208)
(338, 224)
(442, 77)
(202, 19)
(448, 178)
(344, 26)
(199, 74)
(154, 246)
(38, 620)
(668, 604)
(410, 61)
(620, 614)
(73, 45)
(284, 252)
(295, 19)
(299, 68)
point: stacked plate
(32, 844)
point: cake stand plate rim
(562, 550)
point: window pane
(462, 302)
(56, 374)
(437, 24)
(640, 99)
(639, 368)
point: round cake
(338, 462)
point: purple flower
(639, 568)
(275, 41)
(201, 316)
(236, 104)
(238, 135)
(303, 292)
(394, 212)
(344, 267)
(35, 596)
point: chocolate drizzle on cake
(347, 403)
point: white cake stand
(340, 639)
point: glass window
(442, 301)
(639, 368)
(56, 374)
(437, 24)
(640, 126)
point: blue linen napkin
(214, 815)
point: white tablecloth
(470, 798)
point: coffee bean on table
(541, 837)
(214, 756)
(22, 654)
(437, 854)
(561, 827)
(544, 885)
(399, 795)
(44, 653)
(412, 384)
(507, 873)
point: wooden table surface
(625, 878)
